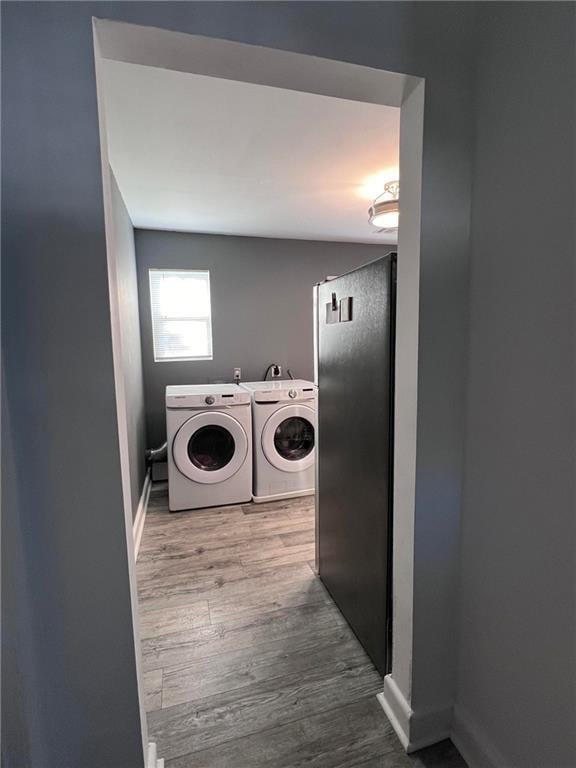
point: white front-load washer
(284, 420)
(209, 433)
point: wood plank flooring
(247, 661)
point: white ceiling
(201, 154)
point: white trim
(406, 389)
(474, 746)
(153, 761)
(415, 730)
(397, 710)
(119, 387)
(246, 63)
(138, 525)
(287, 495)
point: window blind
(181, 314)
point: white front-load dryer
(209, 433)
(284, 420)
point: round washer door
(288, 438)
(210, 447)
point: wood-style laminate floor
(247, 661)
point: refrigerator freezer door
(355, 377)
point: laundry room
(240, 198)
(241, 220)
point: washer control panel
(199, 396)
(294, 390)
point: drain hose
(154, 455)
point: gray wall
(261, 305)
(58, 354)
(123, 238)
(517, 681)
(70, 638)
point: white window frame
(207, 318)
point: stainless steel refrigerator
(354, 346)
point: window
(181, 319)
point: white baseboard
(153, 761)
(473, 745)
(138, 525)
(396, 709)
(415, 730)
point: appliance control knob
(210, 400)
(292, 393)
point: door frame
(219, 58)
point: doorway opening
(228, 175)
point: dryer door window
(210, 447)
(294, 438)
(288, 438)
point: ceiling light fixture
(384, 211)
